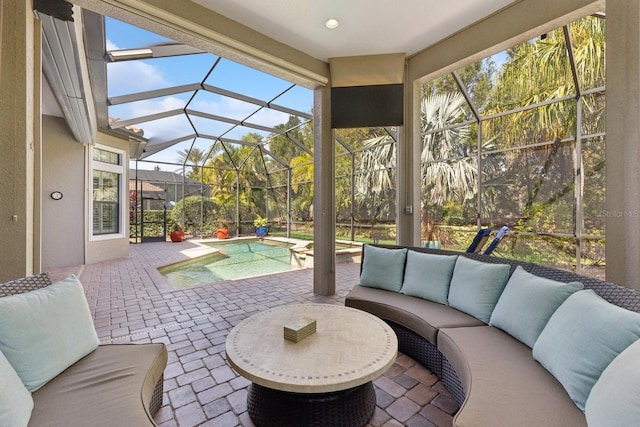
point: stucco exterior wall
(17, 144)
(65, 223)
(63, 230)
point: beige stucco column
(408, 171)
(17, 142)
(324, 206)
(622, 213)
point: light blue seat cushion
(476, 287)
(45, 331)
(580, 340)
(615, 398)
(383, 268)
(527, 303)
(16, 402)
(428, 276)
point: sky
(150, 74)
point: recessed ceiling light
(331, 23)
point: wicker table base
(351, 407)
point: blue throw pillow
(428, 276)
(476, 287)
(581, 339)
(613, 400)
(16, 402)
(527, 303)
(383, 268)
(45, 331)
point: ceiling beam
(234, 121)
(195, 25)
(255, 101)
(164, 114)
(140, 96)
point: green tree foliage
(541, 180)
(302, 187)
(476, 77)
(285, 146)
(195, 214)
(194, 158)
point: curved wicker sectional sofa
(492, 375)
(112, 385)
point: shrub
(189, 211)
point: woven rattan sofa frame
(427, 354)
(42, 280)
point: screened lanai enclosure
(516, 139)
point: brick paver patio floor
(130, 304)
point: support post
(408, 179)
(622, 151)
(324, 207)
(352, 201)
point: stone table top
(349, 348)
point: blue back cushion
(428, 276)
(582, 338)
(527, 303)
(383, 268)
(476, 287)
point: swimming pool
(234, 260)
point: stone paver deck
(130, 303)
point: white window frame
(108, 167)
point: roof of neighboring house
(145, 186)
(160, 176)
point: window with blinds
(106, 191)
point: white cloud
(162, 129)
(133, 77)
(167, 129)
(268, 117)
(111, 46)
(152, 106)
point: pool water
(235, 260)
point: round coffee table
(325, 379)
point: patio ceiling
(365, 27)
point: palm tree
(377, 162)
(302, 186)
(375, 183)
(447, 169)
(195, 158)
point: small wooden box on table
(299, 330)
